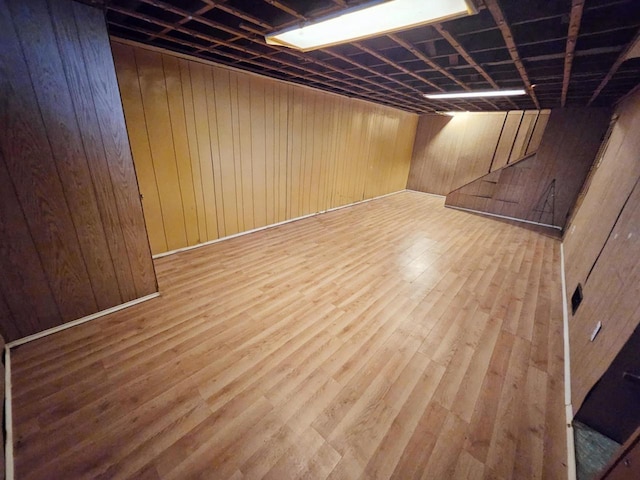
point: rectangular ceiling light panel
(369, 20)
(488, 93)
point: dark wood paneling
(104, 88)
(80, 89)
(610, 296)
(602, 253)
(626, 464)
(43, 57)
(5, 318)
(29, 159)
(544, 186)
(65, 249)
(23, 275)
(609, 186)
(611, 407)
(453, 150)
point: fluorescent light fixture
(453, 114)
(374, 18)
(487, 93)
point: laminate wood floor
(391, 339)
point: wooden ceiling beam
(614, 68)
(395, 65)
(285, 8)
(498, 17)
(577, 6)
(390, 62)
(417, 53)
(468, 58)
(182, 21)
(419, 98)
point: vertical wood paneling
(215, 152)
(140, 147)
(38, 185)
(153, 91)
(538, 131)
(523, 136)
(7, 322)
(178, 126)
(451, 151)
(104, 89)
(94, 146)
(73, 237)
(44, 59)
(23, 274)
(194, 152)
(601, 253)
(222, 152)
(227, 151)
(507, 137)
(543, 186)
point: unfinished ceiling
(564, 52)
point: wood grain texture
(523, 136)
(104, 88)
(543, 186)
(65, 248)
(391, 339)
(219, 152)
(507, 138)
(453, 150)
(601, 253)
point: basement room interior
(320, 239)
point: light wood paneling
(432, 349)
(219, 151)
(543, 186)
(525, 131)
(601, 253)
(71, 242)
(538, 131)
(453, 150)
(507, 137)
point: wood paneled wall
(602, 252)
(220, 152)
(453, 150)
(72, 235)
(542, 187)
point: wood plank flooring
(391, 339)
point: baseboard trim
(504, 217)
(88, 318)
(266, 227)
(8, 417)
(8, 412)
(571, 446)
(426, 193)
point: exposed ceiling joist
(614, 68)
(501, 21)
(568, 56)
(464, 54)
(577, 6)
